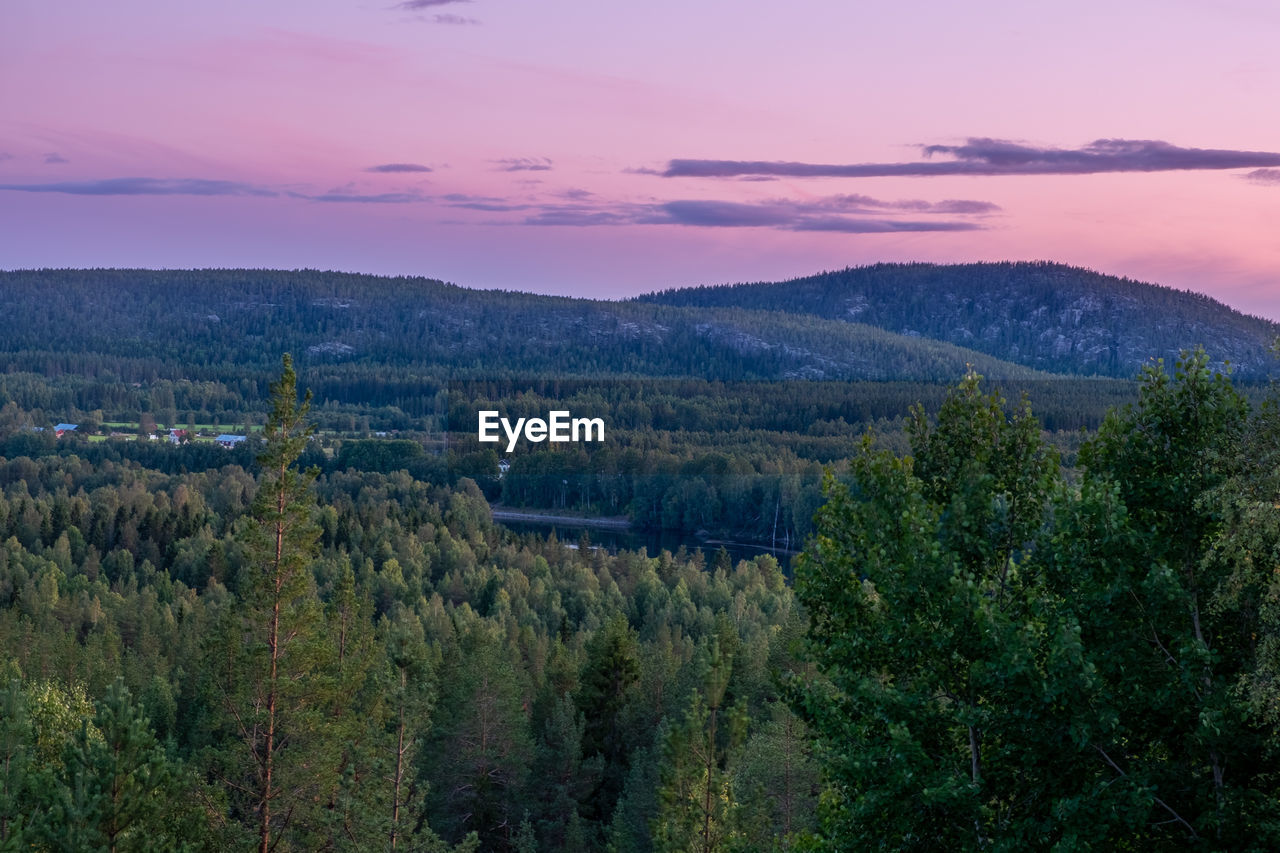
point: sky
(608, 149)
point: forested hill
(1049, 316)
(142, 325)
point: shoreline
(605, 523)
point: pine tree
(117, 790)
(273, 667)
(697, 809)
(410, 700)
(609, 681)
(16, 748)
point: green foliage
(16, 764)
(117, 789)
(697, 805)
(272, 666)
(414, 618)
(606, 691)
(1176, 642)
(1007, 662)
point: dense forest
(741, 459)
(719, 418)
(214, 325)
(1048, 316)
(1030, 611)
(979, 652)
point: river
(615, 538)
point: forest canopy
(984, 649)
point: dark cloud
(143, 186)
(854, 225)
(398, 167)
(793, 217)
(575, 215)
(847, 214)
(344, 196)
(727, 214)
(490, 206)
(1264, 176)
(850, 213)
(55, 159)
(855, 203)
(464, 197)
(999, 157)
(642, 170)
(419, 5)
(524, 164)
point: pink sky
(156, 134)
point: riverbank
(617, 534)
(500, 513)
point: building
(62, 429)
(229, 441)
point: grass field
(126, 426)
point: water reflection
(652, 542)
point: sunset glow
(607, 150)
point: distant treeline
(740, 458)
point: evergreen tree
(478, 760)
(697, 808)
(605, 692)
(411, 697)
(17, 806)
(117, 790)
(273, 666)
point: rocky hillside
(1048, 316)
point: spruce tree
(273, 667)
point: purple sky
(606, 149)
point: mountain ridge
(1042, 314)
(187, 323)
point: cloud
(387, 168)
(576, 215)
(980, 156)
(863, 204)
(54, 158)
(524, 164)
(468, 197)
(1264, 176)
(850, 225)
(345, 197)
(490, 206)
(727, 214)
(5, 155)
(849, 213)
(845, 214)
(443, 18)
(144, 186)
(793, 217)
(419, 5)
